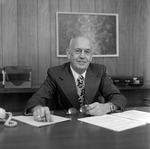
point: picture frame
(100, 28)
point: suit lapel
(91, 84)
(68, 86)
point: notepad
(30, 120)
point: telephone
(8, 122)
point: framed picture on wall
(101, 28)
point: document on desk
(111, 122)
(135, 115)
(30, 120)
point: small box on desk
(1, 77)
(128, 81)
(17, 77)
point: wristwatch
(112, 107)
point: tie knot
(80, 77)
(80, 81)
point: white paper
(30, 120)
(135, 115)
(112, 122)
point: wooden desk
(14, 99)
(73, 134)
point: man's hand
(97, 109)
(42, 114)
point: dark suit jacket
(60, 83)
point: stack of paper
(135, 115)
(30, 120)
(120, 121)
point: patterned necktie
(80, 89)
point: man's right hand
(42, 114)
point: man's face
(80, 54)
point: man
(61, 85)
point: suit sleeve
(110, 92)
(45, 94)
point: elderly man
(76, 84)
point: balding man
(76, 86)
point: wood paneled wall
(28, 34)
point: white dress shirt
(76, 75)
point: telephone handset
(8, 122)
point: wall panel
(53, 9)
(87, 6)
(27, 36)
(137, 37)
(1, 50)
(44, 36)
(75, 5)
(9, 35)
(125, 59)
(146, 40)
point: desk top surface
(74, 134)
(35, 88)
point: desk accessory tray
(17, 77)
(128, 81)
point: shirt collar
(75, 75)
